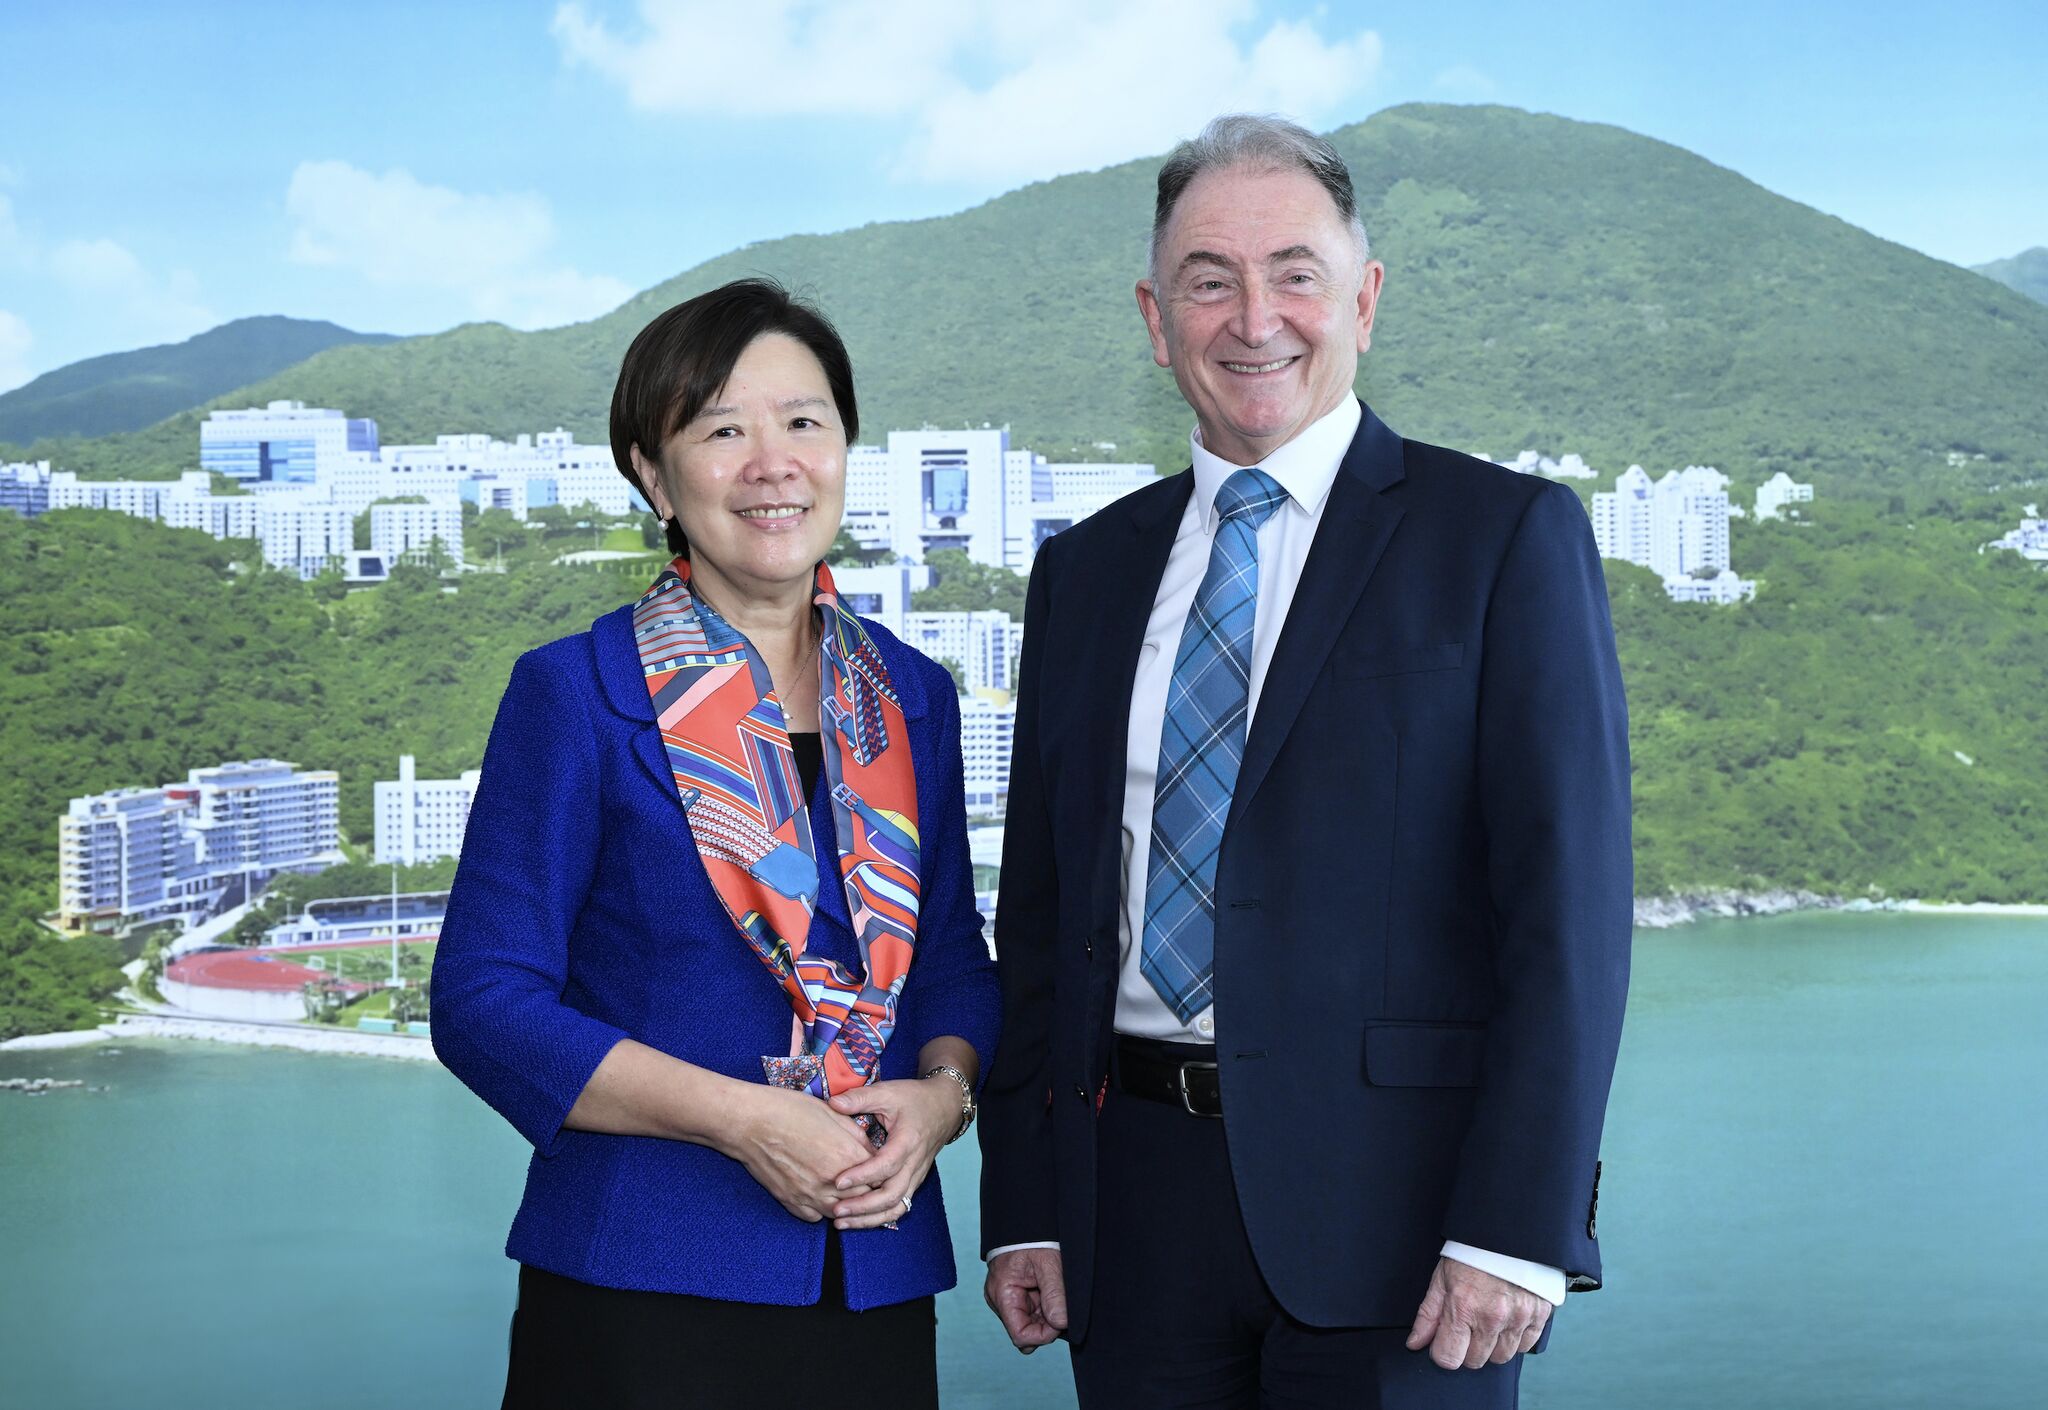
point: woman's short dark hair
(685, 355)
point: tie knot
(1251, 494)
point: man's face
(1262, 308)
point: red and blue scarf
(728, 747)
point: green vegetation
(2026, 272)
(1551, 284)
(129, 390)
(959, 584)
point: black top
(810, 758)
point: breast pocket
(1398, 660)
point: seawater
(1823, 1188)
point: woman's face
(758, 477)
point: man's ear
(1148, 304)
(1369, 300)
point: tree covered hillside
(1874, 721)
(1552, 284)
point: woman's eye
(723, 430)
(802, 422)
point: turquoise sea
(1823, 1188)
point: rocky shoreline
(1684, 907)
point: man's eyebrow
(1293, 252)
(1193, 257)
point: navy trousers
(1181, 1318)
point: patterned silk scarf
(728, 747)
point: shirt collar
(1305, 467)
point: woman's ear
(656, 493)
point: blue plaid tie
(1200, 748)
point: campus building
(420, 819)
(1676, 526)
(284, 443)
(1774, 494)
(25, 487)
(175, 852)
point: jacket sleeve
(529, 852)
(952, 988)
(1017, 1193)
(1553, 792)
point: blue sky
(406, 167)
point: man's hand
(1469, 1318)
(1027, 1288)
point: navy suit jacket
(1423, 898)
(581, 915)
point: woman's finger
(886, 1200)
(877, 1170)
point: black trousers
(579, 1347)
(1181, 1316)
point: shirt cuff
(1012, 1248)
(1539, 1278)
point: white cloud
(995, 92)
(15, 340)
(148, 308)
(1464, 81)
(490, 251)
(772, 56)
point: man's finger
(1452, 1340)
(1427, 1315)
(1480, 1348)
(1052, 1301)
(1532, 1335)
(1507, 1347)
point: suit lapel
(1357, 523)
(1119, 596)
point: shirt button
(1206, 1026)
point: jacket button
(1080, 1091)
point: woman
(712, 946)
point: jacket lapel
(1357, 523)
(625, 689)
(1120, 599)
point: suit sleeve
(952, 989)
(1553, 792)
(1017, 1203)
(528, 856)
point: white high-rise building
(982, 644)
(169, 852)
(1780, 490)
(1689, 524)
(286, 442)
(968, 490)
(303, 536)
(142, 498)
(399, 530)
(420, 819)
(1677, 527)
(1622, 515)
(25, 487)
(987, 729)
(882, 593)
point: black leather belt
(1179, 1074)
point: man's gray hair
(1261, 141)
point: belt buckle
(1180, 1079)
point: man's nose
(1257, 319)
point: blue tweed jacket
(581, 915)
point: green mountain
(129, 390)
(1555, 284)
(2026, 271)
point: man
(1316, 890)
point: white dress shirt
(1305, 467)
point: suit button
(1080, 1091)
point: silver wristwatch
(967, 1107)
